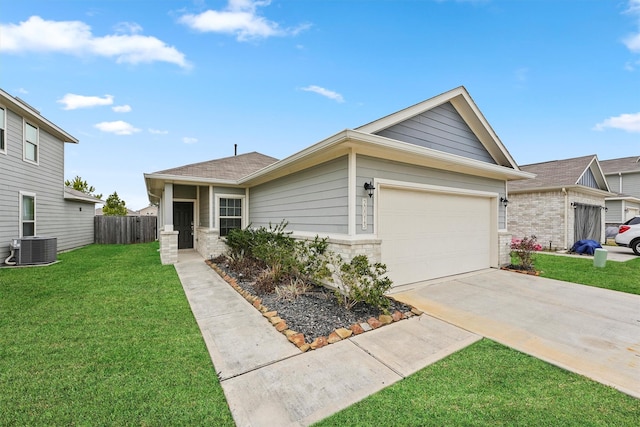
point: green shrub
(361, 281)
(313, 259)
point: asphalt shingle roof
(556, 173)
(227, 168)
(624, 164)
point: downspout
(620, 183)
(566, 215)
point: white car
(629, 235)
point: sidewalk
(267, 381)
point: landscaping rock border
(297, 338)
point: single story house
(623, 176)
(419, 190)
(564, 203)
(34, 201)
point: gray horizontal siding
(185, 192)
(614, 212)
(631, 184)
(442, 129)
(369, 167)
(55, 217)
(314, 200)
(614, 183)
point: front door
(183, 223)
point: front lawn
(104, 337)
(488, 384)
(617, 276)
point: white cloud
(158, 132)
(118, 127)
(241, 19)
(72, 101)
(121, 108)
(324, 92)
(626, 122)
(632, 42)
(188, 140)
(75, 38)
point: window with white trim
(27, 214)
(30, 142)
(230, 214)
(3, 127)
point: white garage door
(426, 235)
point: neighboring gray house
(419, 190)
(33, 198)
(564, 203)
(623, 176)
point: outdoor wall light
(369, 187)
(504, 201)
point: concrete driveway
(593, 332)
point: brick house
(564, 203)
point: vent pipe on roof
(235, 149)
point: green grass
(617, 276)
(489, 384)
(104, 337)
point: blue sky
(150, 85)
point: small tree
(114, 206)
(82, 185)
(522, 251)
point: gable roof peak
(466, 108)
(561, 173)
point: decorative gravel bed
(316, 314)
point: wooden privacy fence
(125, 229)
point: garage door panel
(427, 235)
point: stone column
(169, 247)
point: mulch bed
(316, 313)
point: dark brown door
(183, 223)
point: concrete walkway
(591, 331)
(268, 382)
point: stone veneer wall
(208, 243)
(504, 251)
(168, 247)
(348, 249)
(541, 214)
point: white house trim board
(211, 208)
(351, 193)
(21, 195)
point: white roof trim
(600, 179)
(31, 114)
(355, 136)
(577, 187)
(78, 196)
